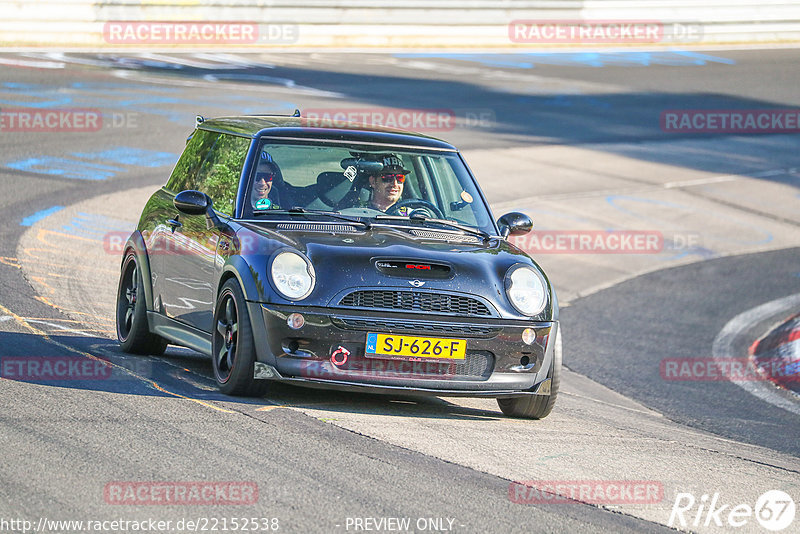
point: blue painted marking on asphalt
(697, 251)
(528, 60)
(39, 215)
(127, 97)
(95, 226)
(44, 104)
(82, 232)
(131, 156)
(702, 59)
(16, 85)
(65, 168)
(81, 169)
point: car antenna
(296, 113)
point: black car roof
(303, 128)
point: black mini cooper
(355, 258)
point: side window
(184, 176)
(220, 171)
(457, 194)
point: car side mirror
(514, 223)
(197, 203)
(192, 202)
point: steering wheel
(416, 204)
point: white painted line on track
(32, 64)
(722, 348)
(76, 60)
(252, 78)
(702, 181)
(233, 59)
(59, 327)
(186, 61)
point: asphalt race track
(576, 140)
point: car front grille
(416, 301)
(403, 325)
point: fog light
(528, 336)
(295, 321)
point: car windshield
(378, 185)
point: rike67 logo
(774, 510)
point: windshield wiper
(303, 211)
(423, 218)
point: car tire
(233, 349)
(537, 406)
(133, 331)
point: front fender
(136, 243)
(248, 278)
(236, 267)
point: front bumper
(498, 362)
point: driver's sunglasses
(266, 176)
(389, 178)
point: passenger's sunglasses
(389, 178)
(265, 176)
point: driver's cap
(392, 164)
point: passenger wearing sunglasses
(264, 197)
(387, 186)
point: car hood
(425, 259)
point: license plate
(412, 347)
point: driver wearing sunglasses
(267, 172)
(387, 186)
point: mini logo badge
(416, 283)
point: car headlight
(526, 289)
(292, 275)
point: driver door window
(184, 176)
(219, 173)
